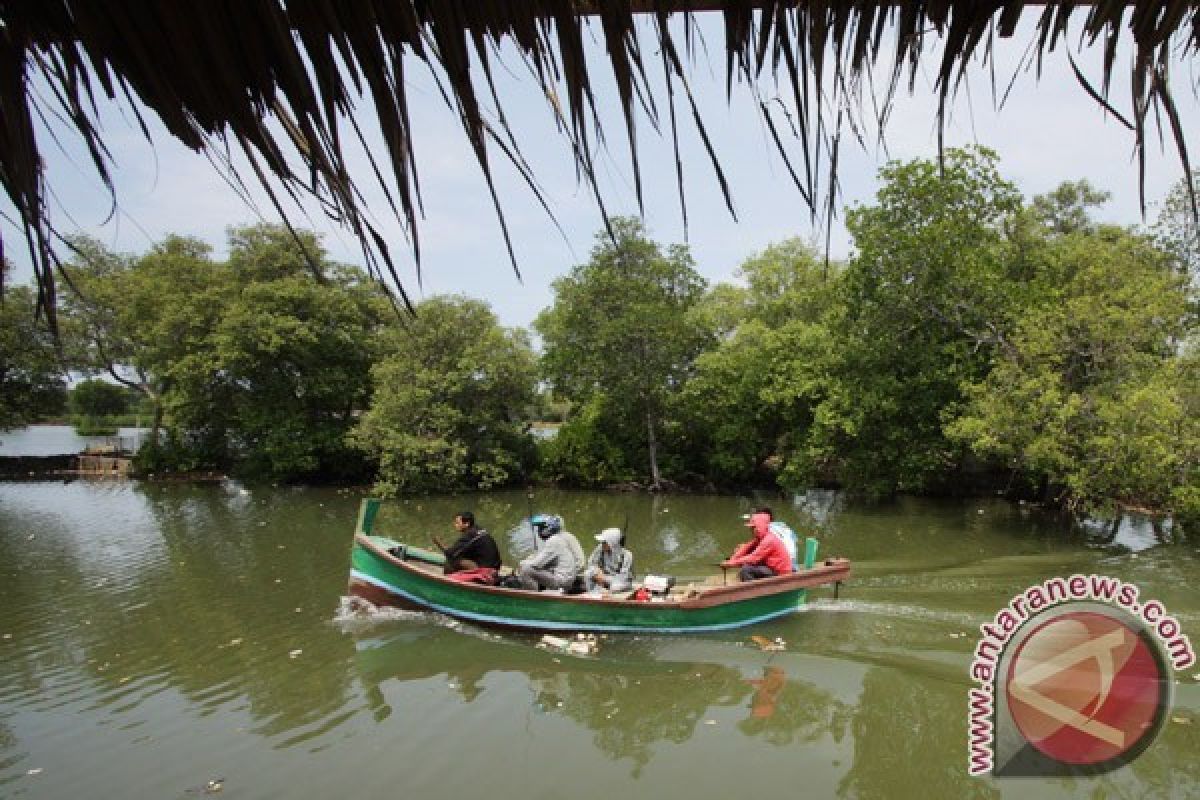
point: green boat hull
(516, 609)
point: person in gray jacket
(558, 560)
(610, 565)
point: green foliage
(620, 329)
(454, 395)
(1087, 395)
(930, 285)
(99, 408)
(590, 450)
(752, 397)
(32, 381)
(94, 426)
(550, 408)
(253, 365)
(133, 318)
(97, 398)
(1176, 230)
(1065, 209)
(968, 334)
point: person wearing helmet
(558, 560)
(610, 565)
(764, 556)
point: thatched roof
(219, 74)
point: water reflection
(784, 712)
(1131, 533)
(179, 590)
(628, 697)
(909, 759)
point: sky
(1049, 131)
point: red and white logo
(1086, 689)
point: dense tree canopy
(620, 339)
(972, 340)
(1085, 395)
(754, 393)
(453, 396)
(923, 297)
(97, 398)
(252, 363)
(32, 378)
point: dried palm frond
(236, 73)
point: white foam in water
(355, 612)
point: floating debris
(34, 771)
(1181, 720)
(768, 646)
(212, 787)
(584, 644)
(294, 653)
(710, 722)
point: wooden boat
(415, 580)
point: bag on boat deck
(659, 584)
(788, 537)
(482, 575)
(509, 582)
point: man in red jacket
(764, 556)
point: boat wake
(899, 610)
(356, 615)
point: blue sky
(1049, 131)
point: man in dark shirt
(474, 548)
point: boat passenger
(764, 556)
(474, 549)
(610, 565)
(558, 561)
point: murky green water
(158, 637)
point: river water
(157, 637)
(57, 440)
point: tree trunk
(652, 446)
(156, 423)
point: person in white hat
(610, 565)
